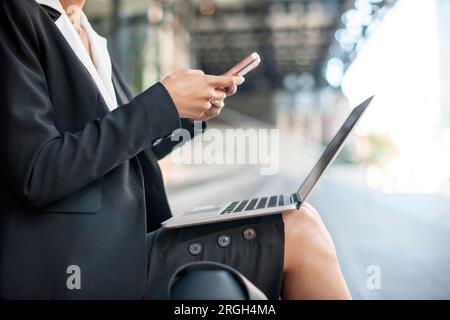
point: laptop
(273, 204)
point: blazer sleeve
(42, 164)
(163, 147)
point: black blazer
(79, 185)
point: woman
(81, 193)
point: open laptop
(260, 206)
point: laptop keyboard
(262, 203)
(230, 208)
(241, 206)
(251, 205)
(281, 200)
(273, 202)
(255, 204)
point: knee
(306, 235)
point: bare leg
(311, 268)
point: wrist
(166, 84)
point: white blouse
(99, 66)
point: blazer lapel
(54, 14)
(102, 107)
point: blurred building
(296, 40)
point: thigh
(254, 247)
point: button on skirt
(254, 247)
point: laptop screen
(332, 150)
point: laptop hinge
(296, 198)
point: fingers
(211, 113)
(194, 71)
(224, 81)
(230, 91)
(214, 111)
(218, 95)
(217, 104)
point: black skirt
(254, 247)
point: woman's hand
(192, 92)
(217, 105)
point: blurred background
(386, 201)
